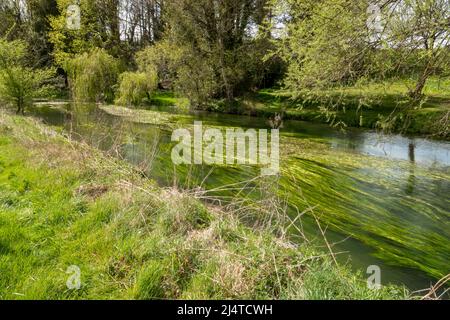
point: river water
(381, 199)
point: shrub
(19, 84)
(134, 87)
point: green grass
(63, 203)
(167, 99)
(164, 99)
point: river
(381, 199)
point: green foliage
(216, 55)
(164, 57)
(19, 84)
(29, 20)
(12, 53)
(332, 43)
(99, 29)
(92, 76)
(197, 80)
(373, 105)
(335, 45)
(326, 43)
(134, 87)
(182, 70)
(67, 43)
(103, 26)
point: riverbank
(65, 204)
(373, 106)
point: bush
(19, 84)
(134, 87)
(92, 76)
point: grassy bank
(368, 105)
(63, 203)
(371, 106)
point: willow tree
(326, 43)
(420, 28)
(135, 87)
(331, 42)
(92, 76)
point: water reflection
(411, 178)
(411, 153)
(418, 150)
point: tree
(332, 42)
(11, 16)
(29, 20)
(164, 57)
(326, 43)
(218, 40)
(121, 27)
(36, 31)
(19, 84)
(420, 28)
(99, 29)
(143, 21)
(92, 76)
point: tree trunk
(417, 92)
(20, 110)
(20, 106)
(228, 89)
